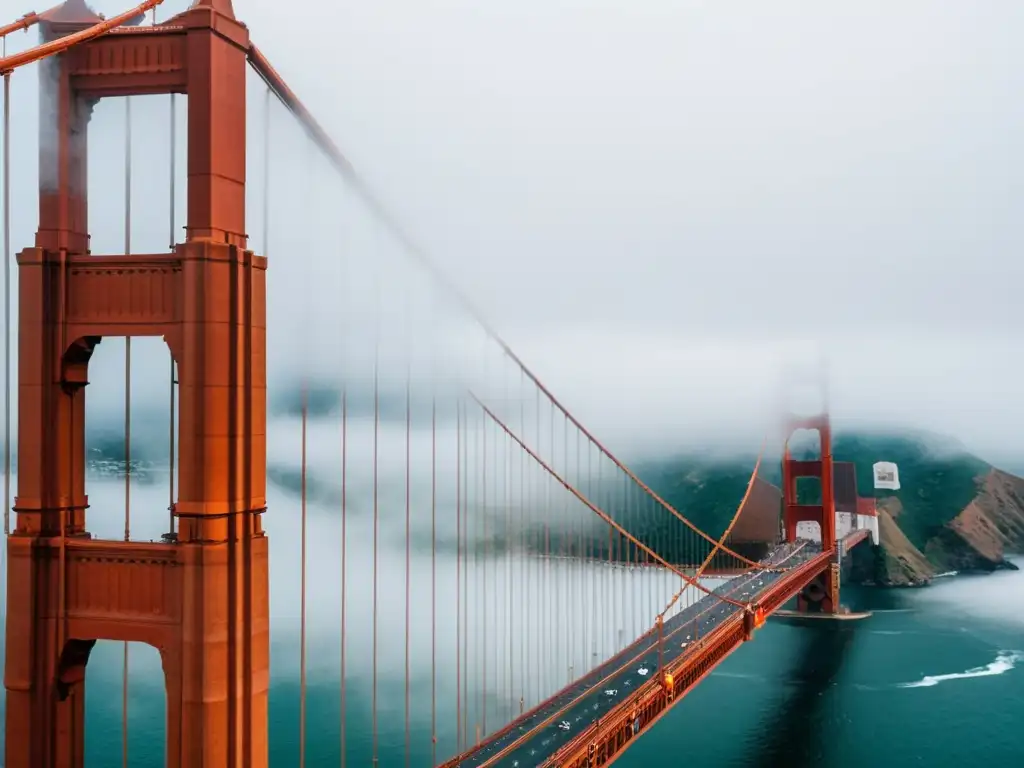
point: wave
(738, 675)
(1004, 662)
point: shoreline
(1006, 564)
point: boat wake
(1004, 662)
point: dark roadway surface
(577, 710)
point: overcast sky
(656, 201)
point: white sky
(655, 201)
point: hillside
(954, 512)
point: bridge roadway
(541, 732)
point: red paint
(203, 600)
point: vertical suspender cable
(7, 299)
(128, 339)
(302, 576)
(170, 456)
(542, 564)
(484, 595)
(170, 241)
(302, 581)
(408, 545)
(465, 575)
(266, 173)
(376, 511)
(458, 576)
(433, 578)
(343, 756)
(552, 601)
(570, 561)
(127, 407)
(477, 592)
(344, 551)
(523, 555)
(509, 557)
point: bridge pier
(201, 598)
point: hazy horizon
(661, 206)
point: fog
(662, 206)
(658, 205)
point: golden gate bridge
(568, 606)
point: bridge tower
(200, 597)
(822, 594)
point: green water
(794, 697)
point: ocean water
(935, 677)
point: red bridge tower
(822, 594)
(202, 598)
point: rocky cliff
(897, 562)
(976, 539)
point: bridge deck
(542, 732)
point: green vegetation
(706, 492)
(938, 480)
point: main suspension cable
(341, 164)
(62, 44)
(600, 513)
(24, 23)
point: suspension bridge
(552, 606)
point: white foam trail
(1004, 662)
(738, 675)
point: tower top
(74, 12)
(223, 7)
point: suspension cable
(376, 508)
(25, 22)
(302, 580)
(433, 578)
(174, 168)
(344, 501)
(725, 534)
(7, 301)
(171, 244)
(341, 164)
(600, 513)
(458, 576)
(304, 386)
(484, 597)
(127, 408)
(408, 534)
(62, 44)
(344, 555)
